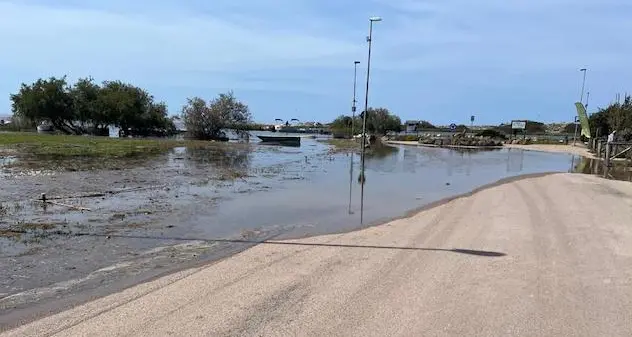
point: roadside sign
(518, 125)
(472, 118)
(452, 126)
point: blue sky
(438, 60)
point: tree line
(87, 107)
(379, 121)
(615, 117)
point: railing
(609, 151)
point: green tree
(620, 115)
(341, 126)
(615, 117)
(598, 123)
(209, 121)
(87, 107)
(85, 96)
(380, 121)
(426, 125)
(46, 100)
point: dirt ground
(547, 256)
(579, 149)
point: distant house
(411, 126)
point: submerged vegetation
(342, 145)
(207, 121)
(67, 146)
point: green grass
(342, 144)
(64, 146)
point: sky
(435, 60)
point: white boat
(45, 127)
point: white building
(5, 119)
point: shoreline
(264, 267)
(549, 148)
(568, 149)
(235, 247)
(466, 147)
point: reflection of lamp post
(366, 108)
(581, 101)
(353, 110)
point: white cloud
(88, 40)
(436, 47)
(503, 35)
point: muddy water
(53, 255)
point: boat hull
(285, 141)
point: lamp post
(369, 39)
(581, 100)
(353, 111)
(587, 99)
(353, 106)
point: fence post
(607, 158)
(599, 145)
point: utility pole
(366, 112)
(581, 101)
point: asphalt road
(547, 256)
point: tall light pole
(353, 106)
(353, 111)
(369, 39)
(584, 70)
(587, 98)
(581, 100)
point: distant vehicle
(45, 127)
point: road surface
(547, 256)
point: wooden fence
(609, 151)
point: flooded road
(135, 223)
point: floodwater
(397, 180)
(188, 197)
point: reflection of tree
(381, 157)
(223, 157)
(515, 160)
(409, 159)
(618, 171)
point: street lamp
(581, 101)
(369, 39)
(584, 70)
(587, 99)
(353, 111)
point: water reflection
(225, 161)
(618, 170)
(235, 156)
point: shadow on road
(272, 242)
